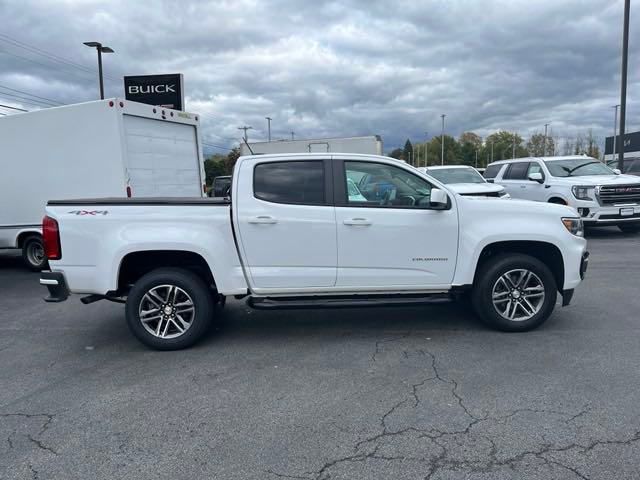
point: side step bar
(345, 301)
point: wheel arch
(136, 264)
(546, 252)
(24, 234)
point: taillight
(128, 191)
(51, 238)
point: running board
(345, 301)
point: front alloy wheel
(518, 295)
(514, 292)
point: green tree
(407, 151)
(536, 145)
(231, 159)
(396, 153)
(503, 145)
(214, 166)
(469, 144)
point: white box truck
(106, 148)
(370, 145)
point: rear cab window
(291, 182)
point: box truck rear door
(161, 158)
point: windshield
(456, 175)
(577, 167)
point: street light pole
(292, 136)
(442, 140)
(426, 149)
(615, 128)
(623, 84)
(101, 49)
(544, 145)
(269, 127)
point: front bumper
(57, 286)
(595, 214)
(567, 295)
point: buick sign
(160, 90)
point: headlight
(583, 193)
(574, 225)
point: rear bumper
(57, 286)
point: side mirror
(617, 171)
(439, 199)
(536, 177)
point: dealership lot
(357, 393)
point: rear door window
(492, 171)
(290, 182)
(517, 171)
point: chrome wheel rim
(518, 295)
(35, 253)
(166, 311)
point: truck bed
(208, 201)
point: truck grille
(614, 194)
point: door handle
(263, 220)
(362, 222)
(523, 186)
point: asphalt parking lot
(424, 393)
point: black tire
(488, 277)
(195, 289)
(629, 227)
(33, 253)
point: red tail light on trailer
(51, 238)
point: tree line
(471, 149)
(461, 151)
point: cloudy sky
(337, 68)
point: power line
(22, 97)
(30, 94)
(216, 146)
(51, 56)
(28, 101)
(14, 108)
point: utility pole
(623, 84)
(491, 152)
(514, 146)
(268, 127)
(476, 158)
(245, 128)
(442, 140)
(544, 145)
(292, 136)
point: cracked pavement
(416, 393)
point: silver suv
(600, 195)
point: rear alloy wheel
(33, 253)
(629, 227)
(514, 293)
(169, 309)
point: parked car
(631, 165)
(600, 195)
(465, 180)
(220, 186)
(290, 236)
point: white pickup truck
(292, 236)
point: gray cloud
(341, 68)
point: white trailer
(371, 145)
(106, 148)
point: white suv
(600, 195)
